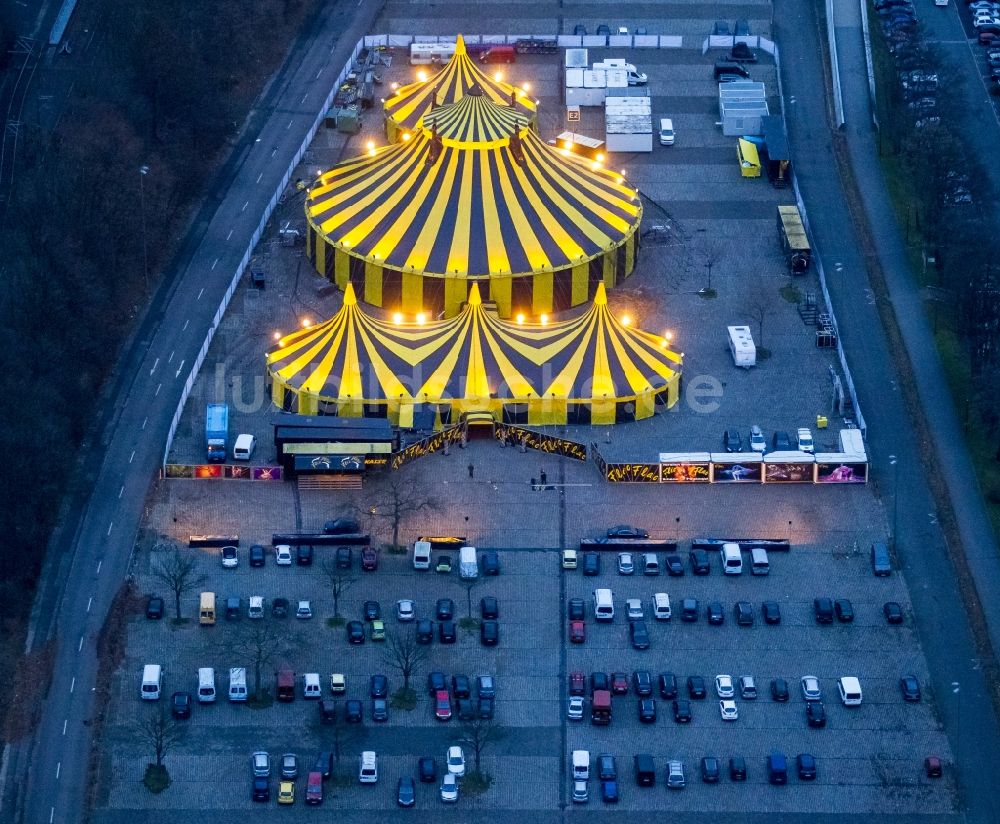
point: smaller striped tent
(409, 104)
(590, 369)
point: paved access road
(951, 654)
(47, 775)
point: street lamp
(143, 171)
(894, 463)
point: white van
(422, 555)
(732, 560)
(237, 684)
(244, 447)
(206, 685)
(152, 682)
(604, 606)
(310, 685)
(759, 565)
(569, 559)
(256, 607)
(468, 566)
(661, 606)
(368, 772)
(581, 765)
(666, 131)
(849, 688)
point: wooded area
(164, 86)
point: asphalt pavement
(957, 674)
(45, 778)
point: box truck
(216, 432)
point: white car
(810, 688)
(626, 563)
(805, 439)
(757, 442)
(984, 5)
(575, 712)
(728, 711)
(304, 611)
(256, 607)
(724, 686)
(675, 775)
(405, 609)
(634, 607)
(580, 793)
(449, 788)
(229, 557)
(455, 759)
(283, 555)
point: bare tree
(177, 571)
(710, 253)
(342, 736)
(400, 497)
(468, 584)
(478, 734)
(259, 642)
(340, 581)
(759, 305)
(403, 653)
(160, 732)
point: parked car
(180, 705)
(626, 564)
(490, 563)
(732, 440)
(427, 769)
(619, 683)
(639, 635)
(724, 686)
(633, 608)
(771, 612)
(353, 711)
(700, 563)
(757, 442)
(737, 768)
(689, 610)
(893, 612)
(279, 608)
(728, 710)
(283, 555)
(815, 714)
(345, 557)
(378, 686)
(599, 681)
(444, 610)
(642, 683)
(342, 526)
(696, 687)
(261, 763)
(576, 609)
(823, 610)
(230, 559)
(406, 795)
(779, 689)
(668, 685)
(781, 442)
(682, 711)
(372, 611)
(910, 687)
(289, 766)
(489, 608)
(355, 632)
(843, 610)
(369, 559)
(443, 564)
(314, 788)
(489, 633)
(807, 766)
(716, 614)
(575, 709)
(304, 555)
(405, 609)
(627, 531)
(933, 767)
(261, 791)
(577, 632)
(810, 688)
(154, 608)
(425, 631)
(710, 769)
(744, 614)
(455, 759)
(674, 564)
(442, 705)
(304, 610)
(591, 564)
(436, 681)
(449, 789)
(577, 683)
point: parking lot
(869, 758)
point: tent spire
(459, 45)
(349, 297)
(474, 298)
(600, 296)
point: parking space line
(231, 231)
(121, 492)
(58, 769)
(99, 566)
(319, 74)
(155, 364)
(52, 815)
(200, 293)
(215, 264)
(303, 100)
(258, 180)
(179, 368)
(185, 326)
(144, 420)
(245, 206)
(132, 458)
(289, 125)
(65, 723)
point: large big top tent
(408, 104)
(473, 195)
(591, 369)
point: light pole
(143, 171)
(894, 463)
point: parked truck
(600, 708)
(216, 432)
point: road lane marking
(171, 356)
(144, 422)
(52, 815)
(109, 527)
(200, 293)
(64, 725)
(72, 684)
(215, 264)
(121, 492)
(132, 458)
(58, 770)
(155, 364)
(185, 326)
(157, 392)
(99, 566)
(80, 645)
(258, 180)
(303, 100)
(177, 374)
(89, 602)
(274, 151)
(245, 206)
(231, 231)
(319, 74)
(288, 126)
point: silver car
(575, 712)
(626, 563)
(405, 609)
(675, 775)
(289, 766)
(810, 688)
(261, 762)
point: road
(46, 776)
(951, 653)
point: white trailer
(742, 346)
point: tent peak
(459, 45)
(600, 296)
(474, 297)
(350, 299)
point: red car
(577, 632)
(577, 683)
(442, 705)
(369, 559)
(619, 683)
(314, 788)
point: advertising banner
(208, 471)
(841, 473)
(788, 473)
(737, 473)
(427, 445)
(543, 443)
(685, 473)
(231, 472)
(632, 473)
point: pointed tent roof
(460, 74)
(474, 355)
(466, 197)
